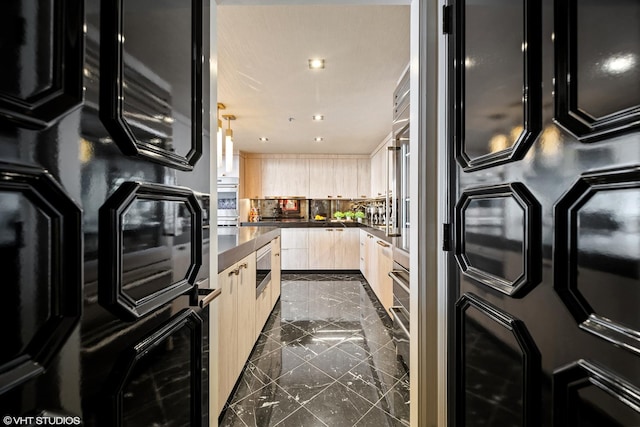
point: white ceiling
(264, 79)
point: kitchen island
(235, 243)
(249, 282)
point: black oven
(400, 311)
(263, 268)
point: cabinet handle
(339, 229)
(381, 243)
(329, 229)
(276, 254)
(328, 197)
(339, 196)
(242, 266)
(232, 272)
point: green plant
(349, 214)
(359, 214)
(338, 214)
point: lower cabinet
(241, 316)
(276, 280)
(376, 261)
(334, 248)
(295, 248)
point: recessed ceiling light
(318, 139)
(619, 64)
(318, 117)
(316, 63)
(263, 139)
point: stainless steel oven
(228, 202)
(263, 268)
(400, 311)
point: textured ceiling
(264, 79)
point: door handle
(215, 293)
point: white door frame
(428, 125)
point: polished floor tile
(324, 358)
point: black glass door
(103, 211)
(545, 155)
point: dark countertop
(235, 243)
(297, 223)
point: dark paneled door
(545, 266)
(104, 183)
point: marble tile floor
(324, 358)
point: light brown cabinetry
(376, 261)
(379, 170)
(242, 315)
(384, 264)
(294, 248)
(346, 248)
(364, 178)
(321, 248)
(321, 179)
(276, 278)
(333, 248)
(285, 177)
(236, 333)
(345, 178)
(333, 178)
(252, 177)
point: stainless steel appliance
(228, 215)
(263, 268)
(400, 311)
(398, 191)
(397, 217)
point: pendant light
(221, 106)
(228, 149)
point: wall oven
(228, 215)
(263, 268)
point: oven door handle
(397, 311)
(399, 280)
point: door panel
(104, 239)
(545, 207)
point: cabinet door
(363, 252)
(295, 258)
(346, 249)
(295, 238)
(345, 178)
(384, 264)
(377, 173)
(321, 248)
(246, 317)
(321, 179)
(252, 178)
(293, 177)
(227, 333)
(364, 178)
(270, 177)
(275, 271)
(263, 308)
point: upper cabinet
(314, 177)
(379, 169)
(335, 178)
(364, 178)
(285, 177)
(251, 179)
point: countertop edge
(229, 257)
